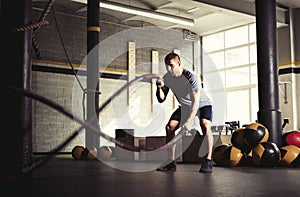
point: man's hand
(161, 90)
(160, 83)
(186, 128)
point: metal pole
(269, 113)
(93, 29)
(16, 123)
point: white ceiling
(210, 16)
(290, 3)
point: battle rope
(87, 124)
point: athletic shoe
(169, 167)
(206, 166)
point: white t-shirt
(182, 86)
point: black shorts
(182, 114)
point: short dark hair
(171, 56)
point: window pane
(253, 70)
(231, 74)
(213, 42)
(238, 106)
(214, 80)
(253, 54)
(252, 32)
(237, 36)
(235, 57)
(213, 61)
(219, 109)
(237, 77)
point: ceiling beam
(142, 12)
(247, 7)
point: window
(229, 69)
(238, 107)
(231, 38)
(237, 77)
(214, 61)
(213, 42)
(237, 56)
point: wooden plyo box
(195, 147)
(153, 143)
(126, 136)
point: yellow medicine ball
(232, 156)
(255, 133)
(77, 151)
(238, 141)
(266, 154)
(104, 152)
(290, 156)
(218, 152)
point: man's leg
(170, 133)
(205, 123)
(171, 127)
(206, 128)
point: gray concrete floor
(63, 176)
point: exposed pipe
(269, 114)
(93, 29)
(17, 137)
(293, 76)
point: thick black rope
(86, 124)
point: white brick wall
(50, 128)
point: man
(193, 102)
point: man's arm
(195, 97)
(161, 91)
